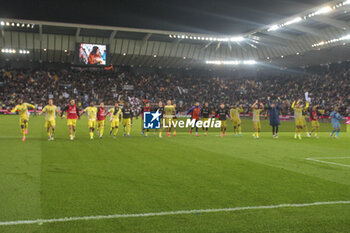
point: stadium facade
(316, 36)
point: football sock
(337, 133)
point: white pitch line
(327, 162)
(345, 157)
(114, 216)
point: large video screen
(91, 54)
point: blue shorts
(336, 125)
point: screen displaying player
(92, 54)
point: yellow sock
(240, 129)
(70, 135)
(49, 134)
(160, 133)
(129, 129)
(115, 131)
(23, 132)
(91, 134)
(101, 130)
(146, 133)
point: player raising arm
(236, 119)
(314, 120)
(115, 119)
(50, 119)
(72, 116)
(22, 109)
(336, 117)
(298, 108)
(256, 118)
(91, 112)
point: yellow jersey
(234, 113)
(92, 113)
(256, 114)
(169, 111)
(298, 112)
(23, 109)
(116, 112)
(50, 111)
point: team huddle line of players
(97, 116)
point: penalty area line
(179, 212)
(318, 159)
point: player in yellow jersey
(50, 119)
(235, 117)
(91, 112)
(298, 108)
(22, 109)
(305, 110)
(116, 113)
(169, 116)
(256, 118)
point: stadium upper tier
(315, 36)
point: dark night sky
(205, 16)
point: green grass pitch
(42, 179)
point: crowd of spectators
(327, 89)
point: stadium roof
(315, 36)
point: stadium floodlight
(2, 23)
(346, 37)
(12, 24)
(249, 62)
(170, 36)
(183, 36)
(7, 24)
(229, 62)
(323, 10)
(295, 20)
(191, 37)
(195, 38)
(273, 28)
(28, 25)
(237, 38)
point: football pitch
(178, 184)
